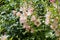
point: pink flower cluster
(52, 1)
(27, 11)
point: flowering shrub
(30, 20)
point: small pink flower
(52, 1)
(48, 14)
(37, 22)
(30, 11)
(26, 26)
(18, 14)
(23, 19)
(33, 18)
(25, 14)
(47, 20)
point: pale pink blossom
(52, 1)
(37, 22)
(30, 11)
(18, 14)
(26, 26)
(48, 14)
(33, 18)
(23, 19)
(25, 14)
(47, 20)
